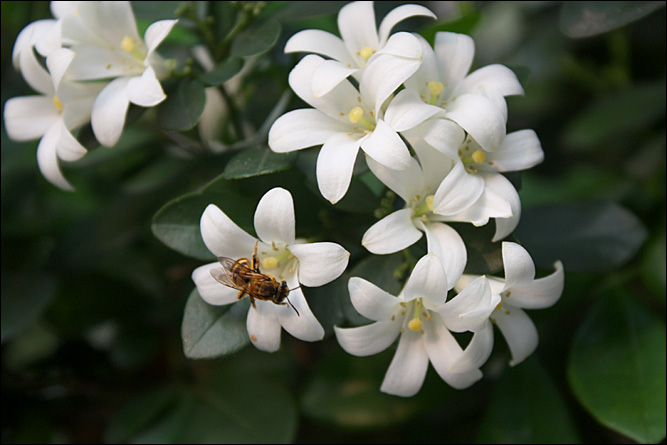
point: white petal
(392, 233)
(223, 237)
(109, 109)
(495, 77)
(30, 36)
(373, 302)
(428, 281)
(541, 293)
(303, 325)
(447, 244)
(145, 90)
(68, 148)
(34, 73)
(386, 147)
(274, 217)
(301, 129)
(428, 70)
(478, 350)
(489, 205)
(319, 263)
(407, 370)
(215, 112)
(263, 327)
(519, 150)
(399, 14)
(475, 297)
(406, 183)
(29, 117)
(156, 33)
(320, 42)
(407, 110)
(94, 62)
(356, 23)
(519, 266)
(210, 290)
(404, 45)
(443, 350)
(503, 187)
(458, 191)
(47, 159)
(328, 75)
(444, 135)
(454, 53)
(57, 62)
(118, 19)
(518, 330)
(368, 340)
(480, 117)
(435, 166)
(335, 164)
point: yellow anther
(56, 103)
(415, 325)
(478, 156)
(269, 262)
(355, 114)
(435, 87)
(366, 52)
(429, 202)
(128, 43)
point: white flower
(423, 320)
(518, 290)
(360, 40)
(103, 36)
(345, 119)
(281, 255)
(460, 195)
(50, 116)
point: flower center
(416, 323)
(435, 88)
(59, 105)
(472, 156)
(279, 260)
(356, 116)
(132, 46)
(366, 52)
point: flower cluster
(375, 92)
(95, 65)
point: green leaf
(617, 367)
(213, 331)
(588, 237)
(24, 297)
(653, 266)
(222, 72)
(257, 161)
(526, 407)
(484, 257)
(585, 19)
(293, 11)
(463, 25)
(325, 303)
(183, 107)
(257, 39)
(224, 14)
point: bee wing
(224, 276)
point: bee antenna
(299, 286)
(290, 303)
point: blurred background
(92, 301)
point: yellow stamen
(355, 114)
(128, 43)
(429, 202)
(416, 324)
(478, 156)
(366, 52)
(435, 88)
(270, 262)
(56, 103)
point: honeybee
(244, 275)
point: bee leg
(252, 301)
(241, 295)
(255, 258)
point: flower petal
(29, 117)
(519, 150)
(519, 266)
(489, 205)
(57, 62)
(407, 370)
(478, 350)
(47, 159)
(335, 164)
(304, 128)
(320, 42)
(518, 330)
(156, 33)
(368, 340)
(328, 75)
(454, 53)
(303, 325)
(263, 327)
(406, 183)
(145, 90)
(444, 135)
(458, 191)
(209, 289)
(392, 233)
(373, 302)
(435, 166)
(407, 110)
(427, 281)
(443, 350)
(480, 117)
(68, 148)
(319, 263)
(475, 297)
(495, 77)
(109, 110)
(274, 217)
(94, 62)
(399, 14)
(223, 237)
(447, 244)
(34, 73)
(386, 147)
(356, 23)
(503, 187)
(541, 293)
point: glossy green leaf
(526, 407)
(213, 331)
(617, 367)
(224, 14)
(257, 161)
(182, 108)
(257, 39)
(463, 25)
(24, 297)
(222, 72)
(325, 303)
(585, 19)
(589, 237)
(654, 267)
